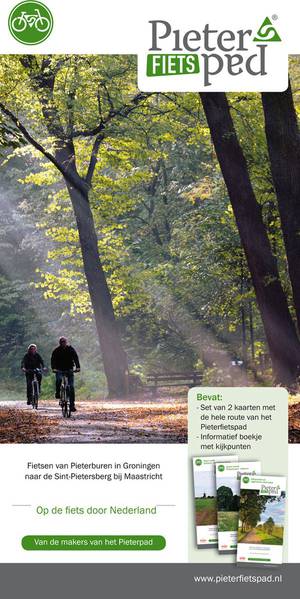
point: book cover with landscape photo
(228, 500)
(205, 499)
(261, 519)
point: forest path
(251, 537)
(140, 420)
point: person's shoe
(73, 409)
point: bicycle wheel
(35, 395)
(42, 24)
(68, 404)
(63, 401)
(19, 24)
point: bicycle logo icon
(20, 23)
(30, 22)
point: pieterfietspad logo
(213, 54)
(30, 23)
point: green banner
(93, 543)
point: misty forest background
(165, 227)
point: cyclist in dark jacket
(63, 359)
(31, 361)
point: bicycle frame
(65, 393)
(35, 387)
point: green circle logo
(221, 468)
(30, 22)
(246, 479)
(198, 462)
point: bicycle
(35, 387)
(65, 393)
(40, 23)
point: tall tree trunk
(283, 140)
(251, 331)
(114, 357)
(244, 338)
(279, 328)
(243, 317)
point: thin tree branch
(94, 158)
(70, 100)
(122, 111)
(65, 172)
(99, 105)
(108, 96)
(43, 79)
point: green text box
(93, 543)
(159, 65)
(258, 559)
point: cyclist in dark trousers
(31, 361)
(63, 359)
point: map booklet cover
(228, 499)
(261, 519)
(206, 499)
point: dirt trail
(251, 537)
(206, 517)
(159, 420)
